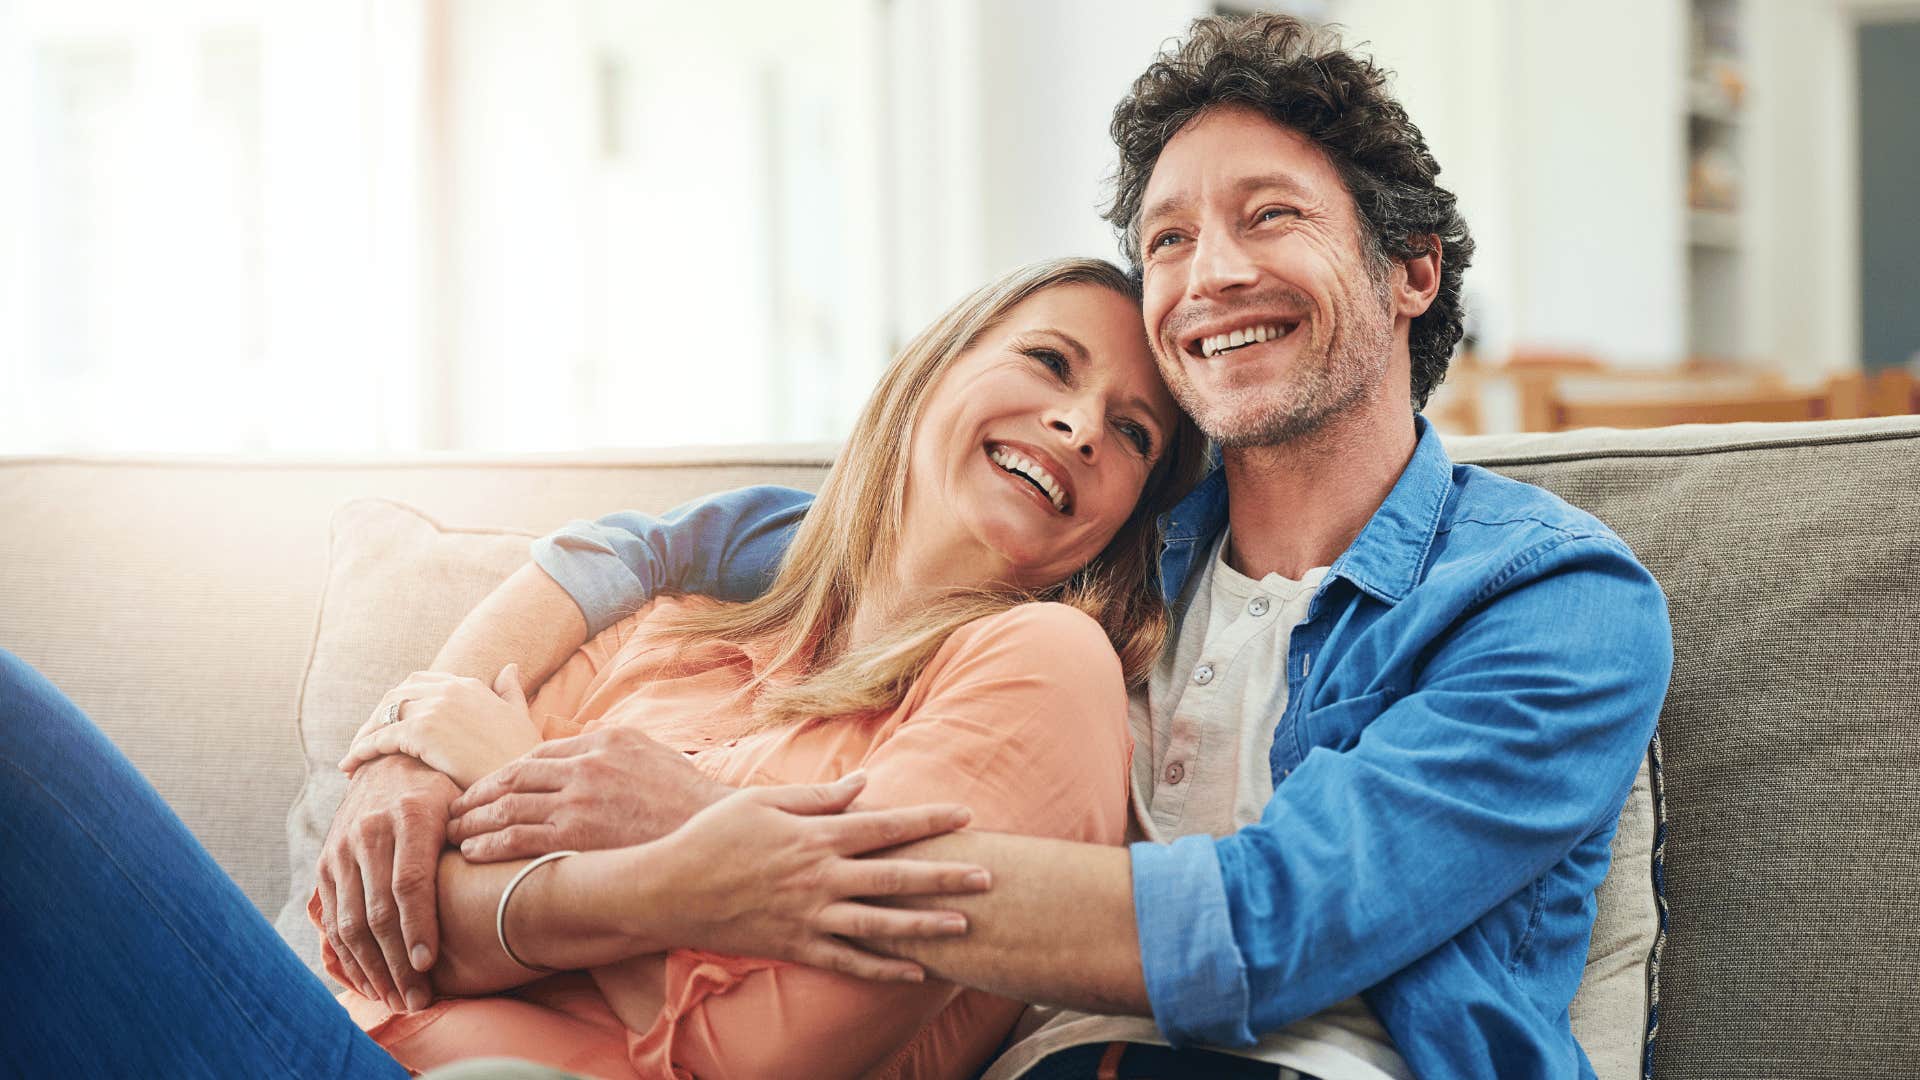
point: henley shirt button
(1176, 772)
(1203, 674)
(1257, 607)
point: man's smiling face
(1264, 314)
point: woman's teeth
(1022, 466)
(1220, 343)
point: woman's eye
(1142, 441)
(1054, 362)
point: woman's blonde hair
(852, 532)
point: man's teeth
(1245, 336)
(1022, 465)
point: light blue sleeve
(725, 545)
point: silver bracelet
(500, 913)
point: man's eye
(1054, 361)
(1273, 212)
(1165, 240)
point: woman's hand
(774, 872)
(457, 725)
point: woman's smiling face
(1035, 444)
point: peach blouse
(1020, 716)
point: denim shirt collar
(1384, 561)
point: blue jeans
(127, 950)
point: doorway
(1889, 86)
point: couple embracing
(1300, 760)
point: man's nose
(1220, 263)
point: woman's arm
(528, 620)
(1021, 716)
(782, 889)
(578, 912)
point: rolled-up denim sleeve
(1519, 736)
(1196, 980)
(725, 545)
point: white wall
(662, 229)
(1598, 189)
(1000, 150)
(1803, 174)
(1050, 79)
(1558, 125)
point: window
(416, 224)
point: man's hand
(377, 873)
(774, 872)
(609, 788)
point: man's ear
(1418, 282)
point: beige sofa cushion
(1609, 1013)
(397, 584)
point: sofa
(228, 621)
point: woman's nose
(1079, 431)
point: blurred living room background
(391, 226)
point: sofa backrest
(1790, 555)
(175, 600)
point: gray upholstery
(1790, 555)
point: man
(1379, 766)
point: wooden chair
(1723, 408)
(1557, 391)
(1546, 384)
(1893, 392)
(1455, 404)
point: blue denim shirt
(1469, 699)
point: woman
(1018, 451)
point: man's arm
(527, 620)
(1516, 741)
(1058, 928)
(725, 546)
(587, 575)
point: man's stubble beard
(1325, 385)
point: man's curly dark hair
(1339, 101)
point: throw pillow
(397, 584)
(1610, 1012)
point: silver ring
(393, 714)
